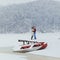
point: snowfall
(11, 40)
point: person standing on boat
(33, 32)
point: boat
(29, 45)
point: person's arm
(32, 30)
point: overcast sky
(56, 0)
(9, 2)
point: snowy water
(7, 41)
(10, 40)
(11, 57)
(53, 49)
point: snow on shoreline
(53, 40)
